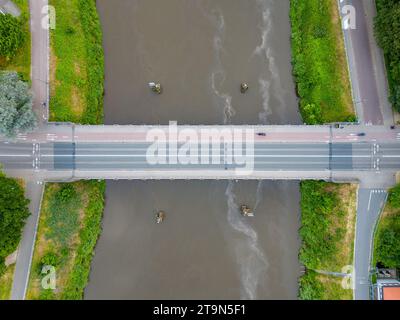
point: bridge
(333, 153)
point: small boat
(244, 87)
(155, 87)
(246, 211)
(160, 216)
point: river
(200, 51)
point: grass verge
(69, 226)
(319, 62)
(21, 63)
(76, 63)
(314, 286)
(328, 229)
(6, 283)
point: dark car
(362, 134)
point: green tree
(394, 197)
(387, 32)
(310, 287)
(11, 35)
(16, 114)
(388, 250)
(13, 213)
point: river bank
(323, 84)
(69, 227)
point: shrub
(66, 193)
(13, 213)
(310, 287)
(49, 259)
(312, 114)
(388, 248)
(12, 36)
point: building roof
(391, 293)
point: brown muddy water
(200, 51)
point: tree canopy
(11, 35)
(387, 31)
(388, 235)
(13, 213)
(16, 114)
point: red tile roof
(391, 293)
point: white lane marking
(211, 155)
(16, 155)
(370, 198)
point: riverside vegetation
(387, 31)
(69, 226)
(319, 62)
(70, 221)
(77, 63)
(323, 86)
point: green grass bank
(76, 63)
(319, 62)
(69, 226)
(328, 215)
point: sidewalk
(34, 191)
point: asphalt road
(34, 191)
(53, 156)
(370, 205)
(366, 66)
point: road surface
(122, 152)
(34, 191)
(370, 94)
(366, 65)
(370, 205)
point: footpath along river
(200, 51)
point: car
(262, 134)
(362, 134)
